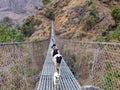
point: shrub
(8, 34)
(1, 74)
(115, 35)
(94, 10)
(45, 1)
(101, 38)
(19, 36)
(28, 27)
(116, 14)
(91, 22)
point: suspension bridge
(67, 80)
(24, 64)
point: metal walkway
(67, 79)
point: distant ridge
(18, 9)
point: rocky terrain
(81, 19)
(18, 9)
(42, 29)
(86, 20)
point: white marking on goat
(56, 79)
(54, 52)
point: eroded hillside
(80, 19)
(18, 9)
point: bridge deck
(67, 79)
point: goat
(57, 61)
(54, 52)
(56, 79)
(53, 46)
(90, 87)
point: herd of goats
(57, 59)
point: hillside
(41, 28)
(18, 9)
(82, 19)
(86, 20)
(78, 20)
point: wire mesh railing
(20, 64)
(93, 63)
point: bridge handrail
(90, 42)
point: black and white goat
(53, 46)
(57, 61)
(56, 79)
(54, 52)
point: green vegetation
(11, 33)
(92, 19)
(28, 27)
(1, 74)
(39, 39)
(108, 65)
(112, 36)
(93, 10)
(8, 34)
(102, 37)
(110, 82)
(18, 33)
(116, 14)
(111, 77)
(45, 2)
(115, 35)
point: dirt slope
(79, 19)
